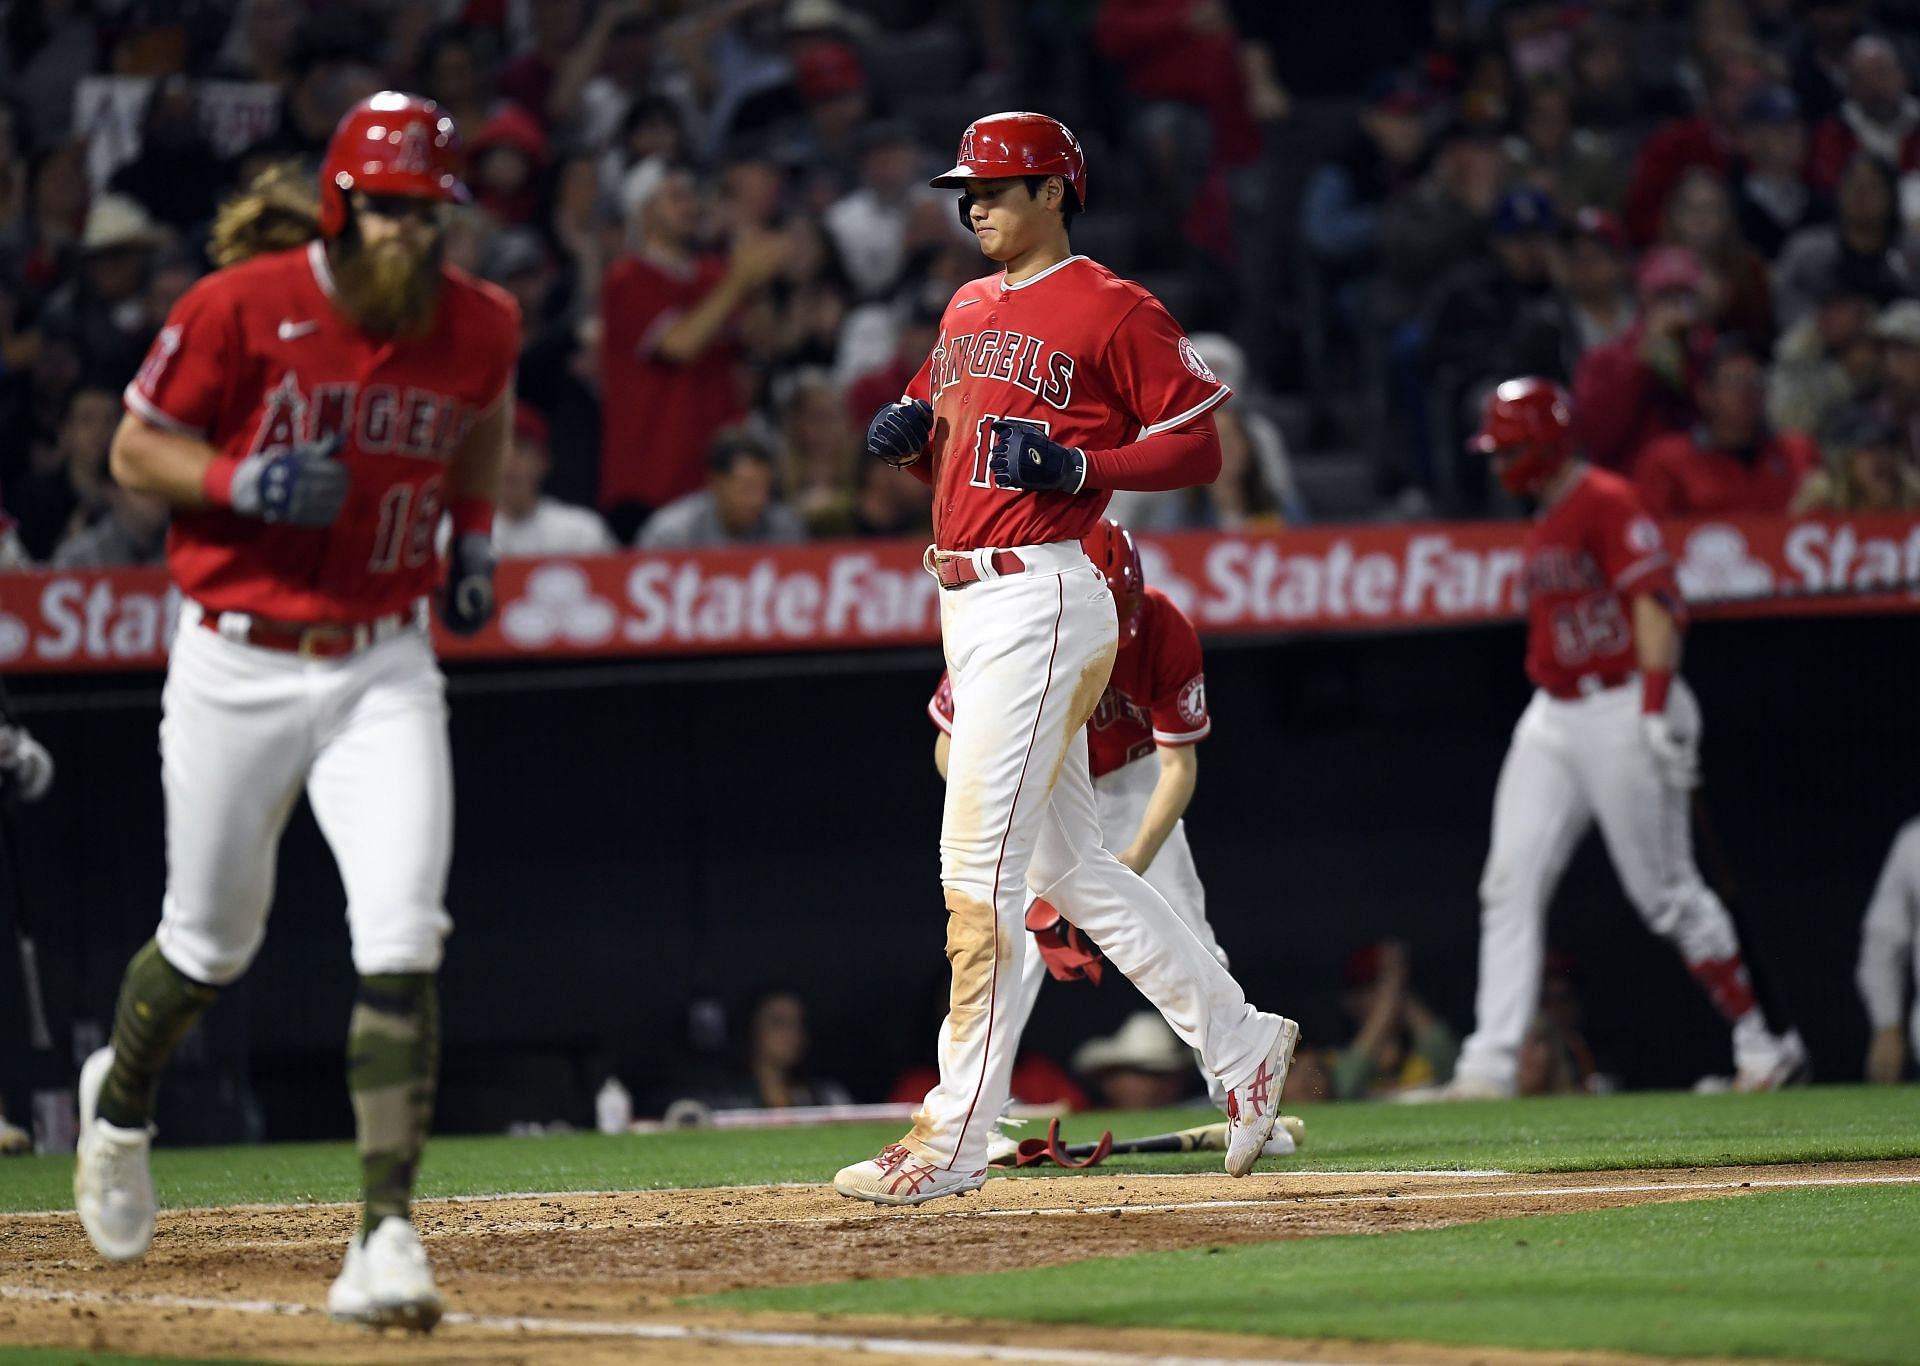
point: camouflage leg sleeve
(393, 1059)
(158, 1005)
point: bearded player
(311, 411)
(1612, 736)
(1052, 384)
(1142, 746)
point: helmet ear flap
(965, 205)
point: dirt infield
(582, 1279)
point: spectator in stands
(505, 157)
(1604, 97)
(737, 507)
(330, 73)
(260, 43)
(1141, 1066)
(1700, 218)
(610, 66)
(1890, 960)
(1867, 468)
(891, 217)
(531, 522)
(56, 216)
(1399, 1044)
(916, 331)
(1878, 118)
(1641, 386)
(667, 352)
(64, 474)
(1443, 221)
(528, 78)
(772, 1074)
(654, 127)
(1861, 248)
(832, 83)
(1708, 139)
(1828, 29)
(1772, 195)
(823, 452)
(177, 177)
(1897, 329)
(127, 530)
(890, 502)
(48, 49)
(549, 376)
(1731, 462)
(1344, 198)
(1589, 307)
(1573, 166)
(457, 75)
(1826, 362)
(101, 309)
(1474, 310)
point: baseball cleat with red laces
(900, 1177)
(1254, 1105)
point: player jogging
(1612, 736)
(310, 411)
(1142, 747)
(1051, 384)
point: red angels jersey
(1092, 360)
(1587, 556)
(1156, 696)
(257, 358)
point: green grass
(1823, 1274)
(1571, 1134)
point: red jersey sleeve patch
(1157, 375)
(182, 384)
(1180, 715)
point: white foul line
(673, 1332)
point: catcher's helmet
(1110, 546)
(1528, 423)
(390, 143)
(1017, 144)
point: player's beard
(389, 290)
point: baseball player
(1051, 384)
(311, 412)
(1154, 708)
(1612, 735)
(1889, 949)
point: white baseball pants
(242, 731)
(1573, 763)
(1029, 656)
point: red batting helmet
(390, 143)
(1110, 546)
(1528, 423)
(1017, 144)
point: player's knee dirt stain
(973, 952)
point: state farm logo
(560, 605)
(1717, 564)
(1156, 570)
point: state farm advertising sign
(854, 595)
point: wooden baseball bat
(1206, 1138)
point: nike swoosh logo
(290, 330)
(966, 303)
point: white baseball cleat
(1789, 1065)
(386, 1282)
(112, 1181)
(899, 1177)
(1285, 1139)
(1477, 1088)
(1000, 1148)
(1253, 1107)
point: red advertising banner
(853, 595)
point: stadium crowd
(1699, 216)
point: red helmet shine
(1017, 144)
(1528, 424)
(1110, 546)
(391, 143)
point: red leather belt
(324, 641)
(956, 569)
(1587, 685)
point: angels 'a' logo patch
(1193, 700)
(413, 156)
(1643, 536)
(1190, 357)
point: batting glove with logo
(898, 432)
(1676, 750)
(301, 486)
(1023, 458)
(467, 603)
